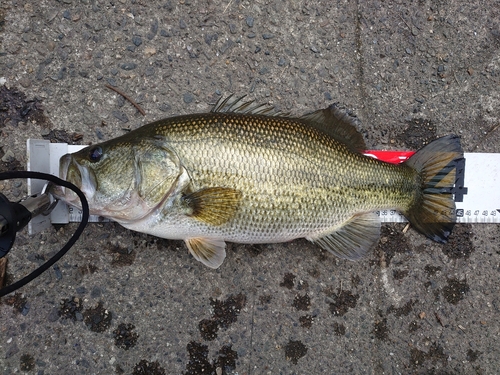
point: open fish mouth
(78, 175)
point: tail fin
(433, 210)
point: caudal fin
(433, 210)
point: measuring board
(477, 194)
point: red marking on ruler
(394, 157)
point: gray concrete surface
(126, 303)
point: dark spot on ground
(302, 303)
(455, 291)
(265, 299)
(288, 281)
(418, 133)
(226, 360)
(71, 308)
(413, 326)
(148, 368)
(62, 136)
(14, 108)
(459, 245)
(295, 350)
(403, 310)
(17, 301)
(208, 329)
(339, 329)
(435, 354)
(198, 360)
(256, 249)
(124, 336)
(87, 269)
(119, 370)
(97, 319)
(431, 270)
(306, 321)
(473, 355)
(27, 362)
(392, 242)
(314, 272)
(399, 274)
(198, 363)
(380, 330)
(121, 256)
(355, 280)
(225, 313)
(342, 301)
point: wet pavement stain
(17, 301)
(399, 274)
(418, 133)
(295, 350)
(71, 308)
(306, 321)
(459, 245)
(198, 363)
(404, 310)
(148, 368)
(435, 354)
(342, 302)
(392, 242)
(225, 313)
(455, 291)
(121, 256)
(97, 319)
(124, 336)
(302, 303)
(431, 270)
(15, 108)
(288, 281)
(380, 330)
(87, 269)
(339, 329)
(27, 362)
(62, 136)
(473, 355)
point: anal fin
(354, 239)
(209, 251)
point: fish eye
(95, 154)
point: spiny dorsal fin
(232, 104)
(336, 124)
(354, 239)
(213, 206)
(209, 251)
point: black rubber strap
(85, 218)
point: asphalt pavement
(126, 303)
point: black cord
(85, 218)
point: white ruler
(477, 198)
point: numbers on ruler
(386, 213)
(467, 213)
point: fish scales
(254, 178)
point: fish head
(122, 180)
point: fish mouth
(80, 176)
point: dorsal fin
(232, 104)
(337, 124)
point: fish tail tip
(433, 210)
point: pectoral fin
(213, 206)
(209, 251)
(354, 239)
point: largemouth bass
(244, 174)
